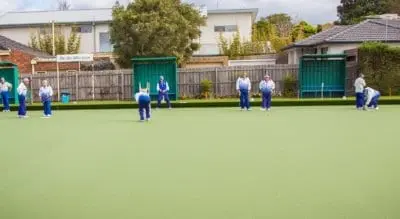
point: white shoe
(269, 109)
(148, 119)
(249, 109)
(23, 117)
(262, 109)
(377, 108)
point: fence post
(76, 87)
(122, 84)
(31, 79)
(92, 85)
(216, 81)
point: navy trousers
(266, 99)
(244, 99)
(4, 97)
(144, 107)
(47, 107)
(22, 105)
(359, 100)
(162, 95)
(374, 101)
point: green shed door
(10, 73)
(322, 75)
(149, 70)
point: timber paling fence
(117, 84)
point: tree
(302, 30)
(155, 28)
(282, 23)
(63, 5)
(323, 27)
(354, 11)
(394, 6)
(43, 41)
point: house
(226, 22)
(22, 56)
(93, 26)
(339, 39)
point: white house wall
(209, 39)
(90, 42)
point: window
(41, 72)
(324, 50)
(226, 28)
(105, 44)
(83, 28)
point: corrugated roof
(6, 43)
(369, 30)
(45, 17)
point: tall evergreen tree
(155, 28)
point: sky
(313, 11)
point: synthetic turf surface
(309, 162)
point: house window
(226, 28)
(105, 44)
(83, 28)
(41, 72)
(324, 50)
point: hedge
(380, 64)
(205, 104)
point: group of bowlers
(366, 97)
(45, 94)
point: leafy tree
(354, 11)
(43, 41)
(155, 28)
(302, 30)
(282, 22)
(323, 27)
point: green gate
(322, 75)
(147, 70)
(10, 73)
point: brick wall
(52, 66)
(21, 59)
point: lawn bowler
(143, 99)
(359, 85)
(267, 86)
(163, 88)
(22, 91)
(243, 86)
(371, 98)
(45, 94)
(5, 89)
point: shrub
(289, 86)
(205, 88)
(381, 66)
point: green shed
(322, 75)
(10, 73)
(149, 69)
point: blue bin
(65, 97)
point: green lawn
(293, 162)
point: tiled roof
(320, 37)
(6, 43)
(369, 30)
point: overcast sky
(313, 11)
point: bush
(381, 66)
(98, 66)
(205, 88)
(289, 86)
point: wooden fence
(117, 84)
